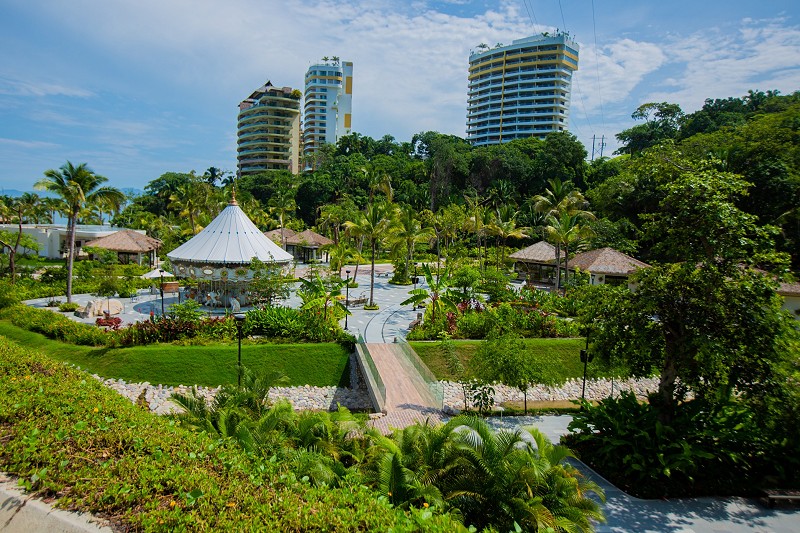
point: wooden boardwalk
(408, 398)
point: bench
(774, 496)
(361, 300)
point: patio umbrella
(157, 273)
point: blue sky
(137, 88)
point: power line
(531, 13)
(597, 68)
(564, 22)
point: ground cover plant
(321, 364)
(67, 437)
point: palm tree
(504, 227)
(378, 180)
(407, 233)
(374, 224)
(14, 209)
(505, 481)
(283, 205)
(190, 200)
(561, 197)
(77, 186)
(563, 231)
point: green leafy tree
(268, 285)
(504, 359)
(317, 293)
(437, 292)
(77, 186)
(709, 323)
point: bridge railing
(434, 386)
(375, 385)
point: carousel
(219, 257)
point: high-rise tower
(328, 103)
(269, 130)
(520, 90)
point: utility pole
(593, 139)
(602, 145)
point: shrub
(112, 323)
(9, 294)
(473, 325)
(68, 307)
(55, 326)
(708, 448)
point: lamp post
(161, 274)
(239, 322)
(415, 279)
(586, 358)
(347, 299)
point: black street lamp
(586, 358)
(347, 299)
(239, 322)
(161, 274)
(415, 279)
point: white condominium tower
(520, 90)
(328, 103)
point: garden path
(408, 399)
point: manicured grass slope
(562, 356)
(68, 437)
(305, 364)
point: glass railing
(434, 386)
(373, 375)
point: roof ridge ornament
(233, 195)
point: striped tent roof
(126, 241)
(230, 239)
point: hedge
(69, 438)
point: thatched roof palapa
(307, 238)
(606, 261)
(541, 252)
(126, 241)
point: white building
(52, 238)
(520, 90)
(328, 107)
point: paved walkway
(408, 399)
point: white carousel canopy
(230, 239)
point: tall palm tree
(374, 224)
(190, 200)
(283, 205)
(563, 231)
(77, 186)
(504, 227)
(408, 232)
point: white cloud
(26, 145)
(761, 55)
(15, 87)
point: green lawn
(305, 364)
(561, 355)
